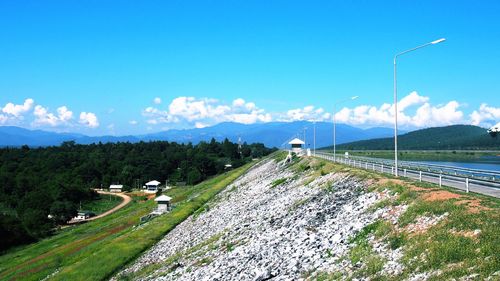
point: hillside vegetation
(97, 249)
(456, 137)
(36, 183)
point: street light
(314, 136)
(305, 143)
(396, 99)
(335, 123)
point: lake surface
(479, 165)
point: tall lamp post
(396, 99)
(305, 143)
(335, 124)
(314, 136)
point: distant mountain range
(456, 137)
(273, 134)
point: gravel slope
(254, 230)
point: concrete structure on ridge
(296, 145)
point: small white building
(116, 188)
(152, 186)
(83, 215)
(163, 204)
(296, 145)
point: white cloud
(157, 100)
(428, 116)
(238, 102)
(64, 114)
(308, 113)
(414, 111)
(495, 128)
(200, 125)
(133, 122)
(45, 118)
(3, 119)
(485, 116)
(18, 109)
(410, 100)
(89, 119)
(200, 112)
(425, 115)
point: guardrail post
(366, 165)
(420, 176)
(392, 170)
(404, 172)
(373, 166)
(467, 185)
(382, 168)
(440, 180)
(354, 165)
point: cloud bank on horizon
(41, 117)
(414, 111)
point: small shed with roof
(152, 186)
(116, 188)
(296, 145)
(163, 204)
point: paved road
(477, 186)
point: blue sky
(96, 67)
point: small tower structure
(296, 145)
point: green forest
(38, 182)
(455, 137)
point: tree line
(38, 182)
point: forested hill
(54, 180)
(455, 137)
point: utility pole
(314, 142)
(239, 146)
(305, 142)
(396, 98)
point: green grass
(195, 251)
(362, 251)
(278, 182)
(102, 203)
(98, 249)
(443, 248)
(279, 155)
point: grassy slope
(448, 249)
(102, 203)
(96, 250)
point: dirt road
(126, 200)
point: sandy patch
(440, 195)
(473, 205)
(466, 233)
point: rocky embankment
(283, 222)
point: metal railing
(442, 169)
(467, 181)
